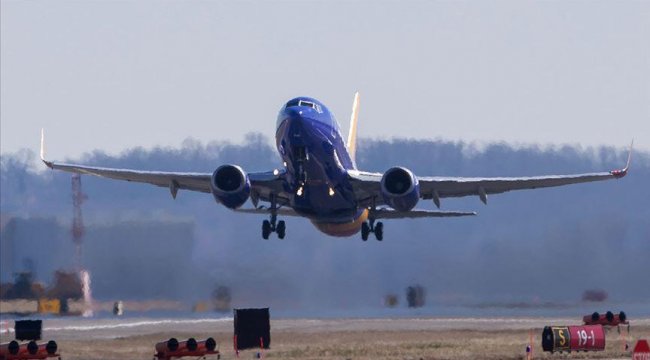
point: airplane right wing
(417, 213)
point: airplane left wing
(263, 183)
(190, 181)
(368, 185)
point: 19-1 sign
(573, 338)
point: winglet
(352, 135)
(47, 163)
(620, 173)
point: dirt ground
(340, 339)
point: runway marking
(125, 325)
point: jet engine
(230, 186)
(400, 189)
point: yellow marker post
(49, 306)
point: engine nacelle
(230, 186)
(400, 189)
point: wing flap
(417, 213)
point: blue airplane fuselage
(308, 138)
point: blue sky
(115, 75)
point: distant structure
(23, 287)
(594, 295)
(391, 300)
(23, 237)
(78, 230)
(221, 299)
(118, 308)
(65, 285)
(415, 296)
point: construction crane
(78, 197)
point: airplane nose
(295, 122)
(294, 118)
(290, 118)
(293, 112)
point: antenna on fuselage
(352, 135)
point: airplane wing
(379, 213)
(189, 181)
(368, 185)
(417, 213)
(262, 183)
(267, 211)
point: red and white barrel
(573, 338)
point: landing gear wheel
(365, 230)
(266, 229)
(280, 230)
(379, 231)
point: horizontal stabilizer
(414, 214)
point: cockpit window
(307, 104)
(293, 103)
(299, 102)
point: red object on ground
(30, 351)
(587, 337)
(172, 348)
(8, 349)
(641, 350)
(606, 319)
(573, 338)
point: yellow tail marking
(352, 135)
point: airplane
(319, 180)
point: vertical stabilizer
(352, 135)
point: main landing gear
(370, 227)
(279, 227)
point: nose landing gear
(279, 227)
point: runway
(379, 338)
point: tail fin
(352, 135)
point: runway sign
(641, 350)
(252, 329)
(28, 329)
(573, 338)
